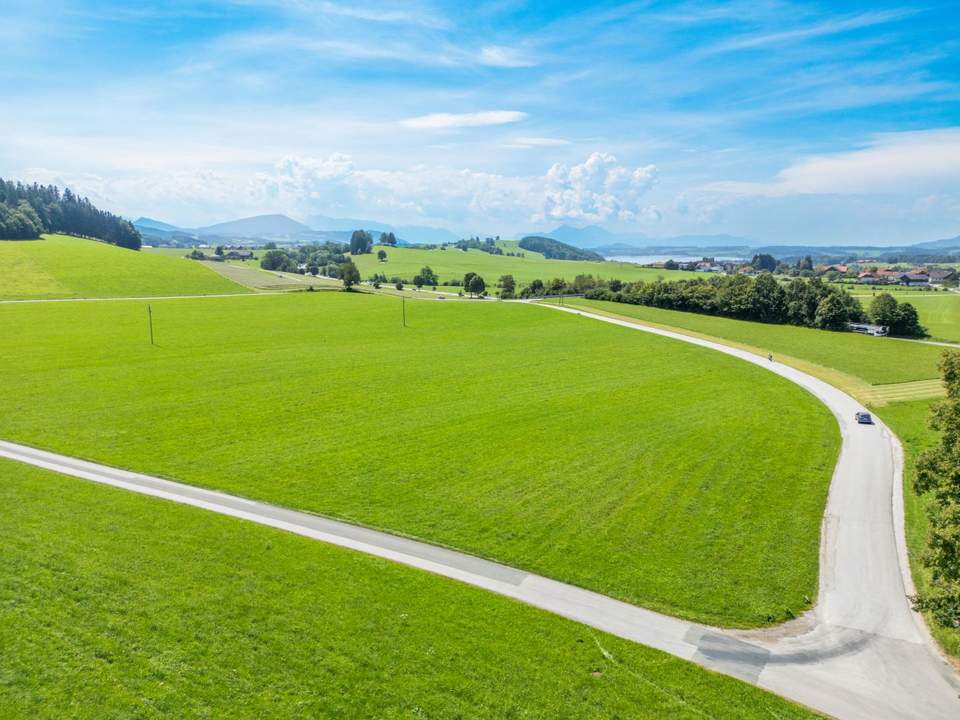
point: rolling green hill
(612, 459)
(453, 264)
(61, 266)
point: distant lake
(647, 259)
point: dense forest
(28, 210)
(556, 250)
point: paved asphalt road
(861, 653)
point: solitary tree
(349, 274)
(382, 255)
(477, 285)
(219, 250)
(507, 285)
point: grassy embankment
(854, 363)
(60, 266)
(585, 452)
(115, 605)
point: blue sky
(780, 121)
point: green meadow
(453, 264)
(939, 311)
(115, 605)
(909, 421)
(872, 360)
(61, 266)
(612, 459)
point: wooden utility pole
(150, 322)
(403, 305)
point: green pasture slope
(872, 360)
(453, 264)
(939, 313)
(634, 465)
(61, 266)
(939, 310)
(909, 421)
(115, 605)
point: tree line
(26, 211)
(803, 302)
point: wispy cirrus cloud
(891, 163)
(505, 57)
(439, 121)
(824, 28)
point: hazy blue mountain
(151, 224)
(323, 222)
(946, 244)
(257, 226)
(415, 234)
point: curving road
(860, 653)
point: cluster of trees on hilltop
(556, 250)
(488, 245)
(361, 242)
(26, 211)
(315, 258)
(809, 303)
(938, 473)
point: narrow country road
(860, 653)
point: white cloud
(597, 190)
(499, 56)
(453, 120)
(895, 163)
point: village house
(939, 276)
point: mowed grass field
(61, 266)
(909, 421)
(115, 605)
(874, 361)
(634, 465)
(453, 264)
(939, 311)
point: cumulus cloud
(437, 121)
(597, 190)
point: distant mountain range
(280, 227)
(320, 228)
(611, 244)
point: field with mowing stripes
(266, 624)
(59, 266)
(598, 455)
